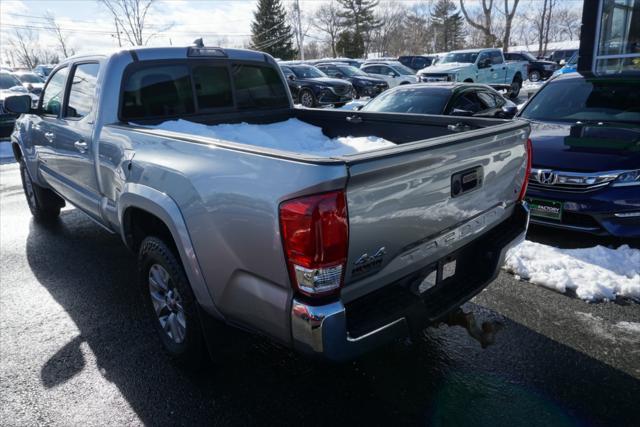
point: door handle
(50, 136)
(81, 146)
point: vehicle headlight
(627, 178)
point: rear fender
(166, 209)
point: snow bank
(597, 273)
(290, 135)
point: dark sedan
(586, 154)
(454, 99)
(312, 88)
(363, 84)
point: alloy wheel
(167, 303)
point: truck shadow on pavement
(443, 378)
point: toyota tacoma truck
(329, 253)
(486, 66)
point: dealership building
(610, 38)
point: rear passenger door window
(158, 91)
(82, 92)
(53, 93)
(213, 87)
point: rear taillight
(315, 234)
(527, 172)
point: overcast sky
(90, 26)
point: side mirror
(391, 74)
(20, 104)
(562, 62)
(291, 77)
(462, 113)
(509, 111)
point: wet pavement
(76, 348)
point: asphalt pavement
(76, 348)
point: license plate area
(441, 272)
(548, 209)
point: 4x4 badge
(368, 262)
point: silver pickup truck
(331, 255)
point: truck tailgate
(408, 210)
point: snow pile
(597, 273)
(290, 135)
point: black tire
(514, 91)
(188, 348)
(535, 76)
(43, 203)
(307, 99)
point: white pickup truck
(478, 66)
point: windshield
(410, 100)
(466, 57)
(580, 100)
(307, 72)
(350, 71)
(30, 78)
(529, 56)
(8, 81)
(573, 60)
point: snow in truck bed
(291, 135)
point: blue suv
(586, 154)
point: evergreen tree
(448, 25)
(270, 32)
(358, 18)
(350, 44)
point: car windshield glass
(30, 78)
(529, 56)
(580, 100)
(8, 81)
(406, 71)
(410, 100)
(573, 60)
(466, 57)
(307, 72)
(350, 71)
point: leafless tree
(508, 21)
(542, 19)
(486, 26)
(328, 21)
(23, 43)
(61, 38)
(387, 38)
(300, 26)
(130, 19)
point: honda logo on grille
(547, 177)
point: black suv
(417, 62)
(311, 87)
(539, 69)
(363, 84)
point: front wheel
(43, 203)
(171, 303)
(307, 99)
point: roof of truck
(170, 52)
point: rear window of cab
(152, 91)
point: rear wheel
(535, 76)
(307, 99)
(514, 90)
(171, 303)
(43, 203)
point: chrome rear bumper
(324, 330)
